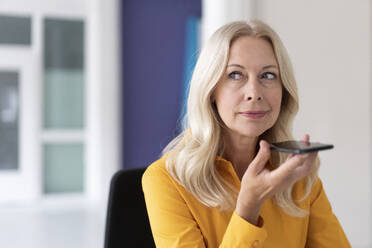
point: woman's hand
(259, 183)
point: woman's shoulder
(158, 182)
(156, 172)
(157, 165)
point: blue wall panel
(190, 57)
(153, 52)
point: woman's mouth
(253, 114)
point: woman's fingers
(259, 162)
(294, 168)
(306, 138)
(290, 156)
(260, 182)
(307, 166)
(286, 170)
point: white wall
(329, 43)
(218, 12)
(103, 98)
(330, 47)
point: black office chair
(127, 223)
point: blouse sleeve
(324, 228)
(173, 225)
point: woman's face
(249, 94)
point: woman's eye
(268, 75)
(236, 75)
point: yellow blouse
(177, 219)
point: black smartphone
(299, 147)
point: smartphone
(299, 147)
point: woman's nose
(253, 91)
(259, 98)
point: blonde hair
(191, 156)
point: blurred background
(89, 87)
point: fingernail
(261, 145)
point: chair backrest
(127, 223)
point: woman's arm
(173, 225)
(324, 229)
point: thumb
(261, 158)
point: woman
(218, 184)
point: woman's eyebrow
(263, 68)
(237, 65)
(269, 66)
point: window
(63, 106)
(9, 101)
(59, 124)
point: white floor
(72, 226)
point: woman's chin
(250, 133)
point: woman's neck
(240, 151)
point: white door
(19, 129)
